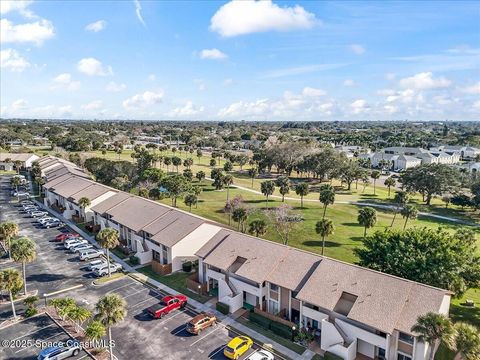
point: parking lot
(138, 336)
(26, 339)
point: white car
(21, 194)
(261, 355)
(28, 207)
(45, 219)
(97, 264)
(60, 352)
(90, 254)
(74, 242)
(104, 270)
(37, 214)
(80, 248)
(26, 202)
(52, 224)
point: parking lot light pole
(199, 289)
(293, 332)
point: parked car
(90, 254)
(168, 304)
(45, 219)
(74, 242)
(79, 248)
(97, 264)
(59, 352)
(261, 355)
(53, 224)
(37, 214)
(237, 347)
(21, 194)
(201, 322)
(31, 206)
(104, 270)
(65, 236)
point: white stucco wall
(313, 314)
(366, 348)
(354, 332)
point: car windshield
(229, 349)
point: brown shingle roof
(14, 157)
(112, 201)
(91, 192)
(71, 186)
(173, 227)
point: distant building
(352, 151)
(26, 160)
(465, 152)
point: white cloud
(349, 82)
(309, 91)
(386, 92)
(21, 6)
(93, 67)
(212, 54)
(65, 81)
(114, 87)
(186, 111)
(36, 32)
(10, 59)
(298, 70)
(145, 99)
(473, 89)
(250, 16)
(424, 81)
(19, 104)
(138, 11)
(404, 96)
(96, 26)
(357, 49)
(359, 106)
(390, 109)
(94, 105)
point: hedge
(330, 356)
(276, 327)
(260, 320)
(223, 308)
(187, 266)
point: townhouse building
(464, 152)
(7, 160)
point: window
(403, 357)
(406, 338)
(274, 288)
(156, 255)
(273, 306)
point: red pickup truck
(168, 304)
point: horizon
(293, 61)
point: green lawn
(458, 312)
(176, 281)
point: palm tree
(400, 199)
(8, 230)
(95, 331)
(23, 251)
(200, 175)
(16, 181)
(324, 228)
(409, 212)
(63, 306)
(190, 200)
(108, 239)
(375, 175)
(167, 161)
(258, 227)
(228, 180)
(389, 182)
(240, 215)
(327, 196)
(112, 309)
(79, 315)
(284, 189)
(39, 181)
(197, 190)
(83, 203)
(252, 172)
(11, 281)
(267, 188)
(367, 217)
(467, 341)
(435, 329)
(302, 190)
(18, 164)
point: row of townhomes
(354, 312)
(399, 158)
(8, 161)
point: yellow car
(237, 347)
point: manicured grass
(458, 312)
(6, 172)
(271, 335)
(106, 279)
(119, 253)
(176, 281)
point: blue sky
(240, 60)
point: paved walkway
(359, 203)
(226, 320)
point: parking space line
(143, 301)
(171, 317)
(216, 352)
(136, 292)
(43, 340)
(119, 287)
(179, 331)
(203, 337)
(33, 332)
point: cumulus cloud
(94, 105)
(251, 16)
(357, 49)
(424, 81)
(19, 104)
(212, 54)
(186, 111)
(93, 67)
(10, 59)
(309, 91)
(359, 106)
(65, 81)
(36, 32)
(96, 26)
(142, 100)
(112, 86)
(21, 6)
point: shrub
(330, 356)
(223, 308)
(187, 266)
(30, 312)
(134, 260)
(260, 320)
(281, 329)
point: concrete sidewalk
(226, 320)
